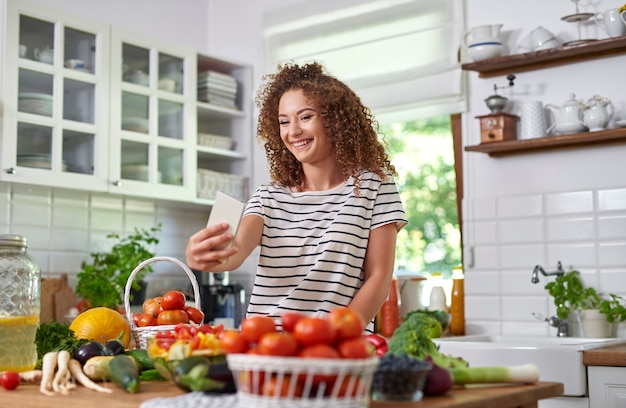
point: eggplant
(90, 349)
(114, 347)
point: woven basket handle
(129, 283)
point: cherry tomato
(173, 300)
(195, 315)
(278, 344)
(185, 331)
(152, 306)
(254, 327)
(355, 348)
(289, 320)
(319, 351)
(347, 323)
(10, 380)
(310, 331)
(232, 341)
(146, 319)
(172, 317)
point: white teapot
(597, 113)
(568, 118)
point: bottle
(457, 303)
(437, 294)
(388, 318)
(20, 291)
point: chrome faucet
(535, 277)
(562, 327)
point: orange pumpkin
(101, 324)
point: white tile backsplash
(612, 254)
(611, 227)
(520, 206)
(520, 231)
(570, 229)
(568, 203)
(611, 200)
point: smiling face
(302, 130)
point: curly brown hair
(350, 126)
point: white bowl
(483, 51)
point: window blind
(400, 56)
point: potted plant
(102, 281)
(571, 296)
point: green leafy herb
(55, 336)
(102, 282)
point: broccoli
(413, 338)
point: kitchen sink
(559, 359)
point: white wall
(519, 211)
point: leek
(527, 373)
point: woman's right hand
(207, 249)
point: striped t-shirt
(313, 243)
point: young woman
(327, 223)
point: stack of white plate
(137, 172)
(38, 103)
(38, 161)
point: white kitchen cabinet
(607, 386)
(106, 109)
(54, 123)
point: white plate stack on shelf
(217, 88)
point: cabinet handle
(10, 170)
(117, 183)
(491, 135)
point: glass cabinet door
(155, 120)
(53, 99)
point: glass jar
(20, 291)
(438, 299)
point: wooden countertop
(28, 395)
(614, 356)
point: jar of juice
(20, 291)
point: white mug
(23, 50)
(532, 120)
(612, 21)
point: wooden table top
(28, 396)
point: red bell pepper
(379, 343)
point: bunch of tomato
(168, 309)
(339, 335)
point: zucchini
(125, 373)
(142, 358)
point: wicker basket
(349, 384)
(142, 334)
(210, 182)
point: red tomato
(195, 315)
(272, 387)
(254, 327)
(347, 389)
(347, 323)
(172, 317)
(10, 380)
(152, 306)
(278, 344)
(83, 305)
(136, 317)
(252, 381)
(355, 348)
(232, 341)
(319, 351)
(173, 300)
(289, 320)
(146, 319)
(310, 331)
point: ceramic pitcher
(612, 21)
(485, 34)
(597, 113)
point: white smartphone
(226, 209)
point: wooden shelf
(511, 147)
(531, 61)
